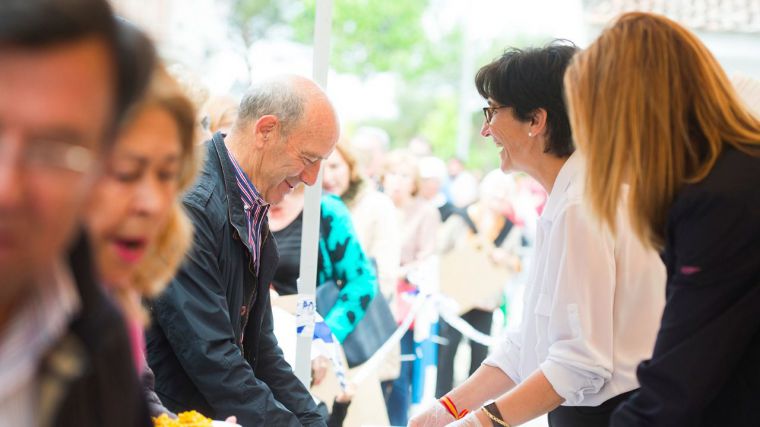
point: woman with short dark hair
(591, 311)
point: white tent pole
(310, 233)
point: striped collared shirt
(27, 337)
(255, 211)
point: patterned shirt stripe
(255, 211)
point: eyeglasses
(488, 112)
(53, 155)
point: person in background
(211, 343)
(463, 190)
(493, 234)
(433, 177)
(419, 221)
(341, 259)
(371, 145)
(67, 76)
(221, 111)
(134, 219)
(691, 160)
(420, 147)
(198, 94)
(593, 296)
(418, 217)
(376, 228)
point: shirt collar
(248, 191)
(569, 172)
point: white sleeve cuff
(506, 357)
(573, 383)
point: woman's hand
(473, 419)
(434, 416)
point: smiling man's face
(297, 156)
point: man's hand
(434, 416)
(346, 395)
(319, 369)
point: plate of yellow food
(189, 419)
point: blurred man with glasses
(67, 74)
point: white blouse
(593, 301)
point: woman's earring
(530, 134)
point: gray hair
(277, 97)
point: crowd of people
(145, 234)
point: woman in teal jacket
(341, 258)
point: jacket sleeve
(155, 407)
(278, 375)
(711, 313)
(194, 316)
(344, 261)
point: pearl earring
(530, 134)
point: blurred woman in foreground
(138, 229)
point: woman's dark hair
(137, 61)
(38, 24)
(44, 23)
(529, 79)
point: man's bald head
(291, 99)
(286, 126)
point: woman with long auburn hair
(651, 108)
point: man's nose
(310, 173)
(11, 174)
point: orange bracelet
(452, 408)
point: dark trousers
(587, 416)
(398, 392)
(481, 321)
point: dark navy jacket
(705, 369)
(88, 378)
(211, 343)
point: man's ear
(266, 129)
(538, 122)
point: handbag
(369, 334)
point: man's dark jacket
(211, 344)
(88, 377)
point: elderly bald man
(211, 344)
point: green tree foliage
(388, 36)
(371, 36)
(252, 20)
